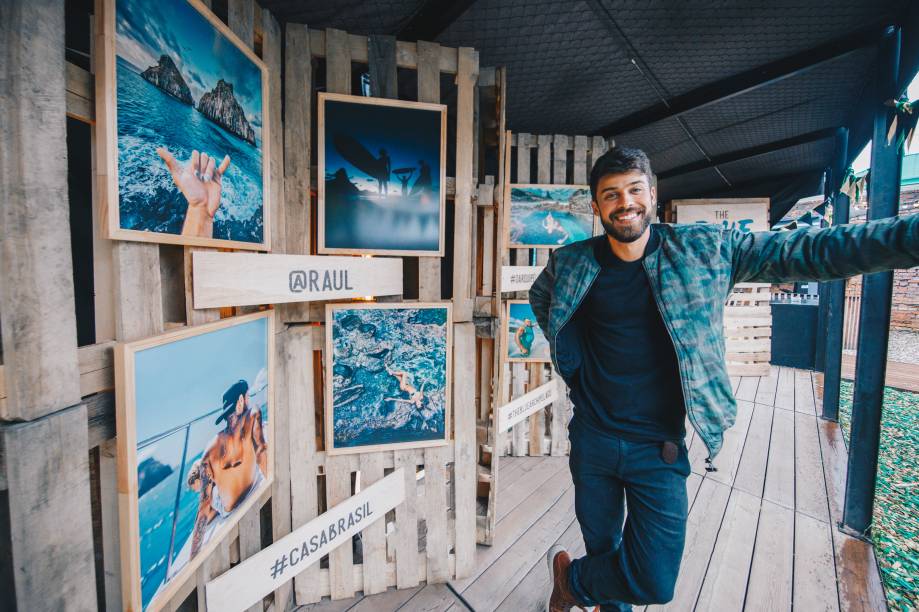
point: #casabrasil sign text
(251, 580)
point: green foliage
(896, 506)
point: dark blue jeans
(637, 564)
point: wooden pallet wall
(143, 289)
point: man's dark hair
(616, 161)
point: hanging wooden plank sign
(245, 279)
(518, 278)
(262, 573)
(519, 409)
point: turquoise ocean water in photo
(149, 200)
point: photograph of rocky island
(549, 216)
(384, 168)
(189, 102)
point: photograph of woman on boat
(390, 376)
(549, 216)
(190, 163)
(383, 168)
(525, 340)
(200, 406)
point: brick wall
(904, 313)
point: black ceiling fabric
(578, 66)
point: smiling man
(634, 320)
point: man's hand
(200, 182)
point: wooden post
(428, 91)
(463, 292)
(50, 539)
(836, 290)
(874, 323)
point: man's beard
(629, 232)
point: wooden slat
(429, 91)
(297, 366)
(728, 458)
(518, 388)
(770, 583)
(785, 392)
(463, 247)
(725, 580)
(435, 513)
(701, 531)
(373, 537)
(746, 390)
(536, 421)
(406, 53)
(50, 546)
(560, 146)
(581, 144)
(544, 159)
(810, 489)
(814, 569)
(338, 489)
(780, 472)
(298, 85)
(524, 157)
(804, 392)
(751, 472)
(407, 523)
(464, 435)
(108, 505)
(36, 269)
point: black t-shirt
(629, 381)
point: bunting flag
(905, 118)
(854, 186)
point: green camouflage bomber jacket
(692, 273)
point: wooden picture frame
(330, 446)
(508, 214)
(217, 526)
(325, 249)
(107, 136)
(505, 331)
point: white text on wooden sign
(748, 216)
(251, 580)
(513, 412)
(518, 278)
(245, 279)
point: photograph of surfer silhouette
(525, 340)
(383, 168)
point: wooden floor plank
(701, 531)
(780, 469)
(770, 584)
(860, 585)
(508, 570)
(815, 571)
(728, 458)
(726, 579)
(747, 388)
(785, 390)
(530, 594)
(810, 488)
(804, 392)
(898, 374)
(765, 392)
(735, 382)
(431, 598)
(834, 456)
(392, 599)
(515, 524)
(751, 471)
(526, 482)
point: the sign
(262, 573)
(518, 278)
(513, 412)
(245, 279)
(748, 215)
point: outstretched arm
(541, 294)
(826, 254)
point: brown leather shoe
(561, 599)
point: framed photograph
(548, 216)
(382, 176)
(195, 447)
(388, 374)
(182, 127)
(524, 339)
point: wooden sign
(259, 575)
(245, 279)
(746, 214)
(518, 278)
(512, 413)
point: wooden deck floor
(760, 534)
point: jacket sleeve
(541, 293)
(825, 254)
